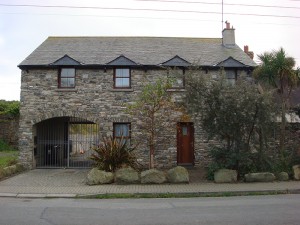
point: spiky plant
(113, 153)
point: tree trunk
(151, 164)
(282, 128)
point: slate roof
(140, 50)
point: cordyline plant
(114, 153)
(153, 108)
(277, 69)
(237, 115)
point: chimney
(249, 53)
(228, 36)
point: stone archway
(64, 142)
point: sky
(263, 25)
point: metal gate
(65, 142)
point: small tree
(237, 115)
(277, 70)
(153, 107)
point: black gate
(65, 142)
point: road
(260, 210)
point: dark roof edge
(98, 66)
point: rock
(259, 177)
(19, 167)
(296, 170)
(153, 176)
(178, 174)
(96, 176)
(283, 176)
(127, 176)
(225, 176)
(8, 171)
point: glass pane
(122, 72)
(67, 72)
(184, 130)
(178, 82)
(122, 82)
(177, 76)
(230, 74)
(67, 82)
(121, 130)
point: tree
(277, 70)
(236, 115)
(153, 107)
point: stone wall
(9, 128)
(94, 99)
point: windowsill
(122, 90)
(176, 90)
(66, 90)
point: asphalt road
(260, 210)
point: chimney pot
(246, 48)
(227, 25)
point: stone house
(73, 90)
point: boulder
(96, 176)
(127, 176)
(283, 176)
(259, 177)
(153, 176)
(225, 176)
(296, 170)
(19, 167)
(8, 171)
(178, 174)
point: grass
(179, 195)
(8, 158)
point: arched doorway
(64, 142)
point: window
(231, 76)
(122, 130)
(122, 78)
(66, 78)
(177, 76)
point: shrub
(113, 153)
(4, 146)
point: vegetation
(10, 108)
(153, 107)
(277, 72)
(5, 146)
(114, 153)
(8, 155)
(237, 115)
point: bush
(11, 108)
(238, 159)
(113, 153)
(4, 146)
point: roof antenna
(222, 16)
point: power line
(218, 3)
(135, 17)
(145, 9)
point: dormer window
(66, 78)
(122, 78)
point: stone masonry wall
(9, 128)
(94, 99)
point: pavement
(68, 183)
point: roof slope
(141, 50)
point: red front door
(185, 143)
